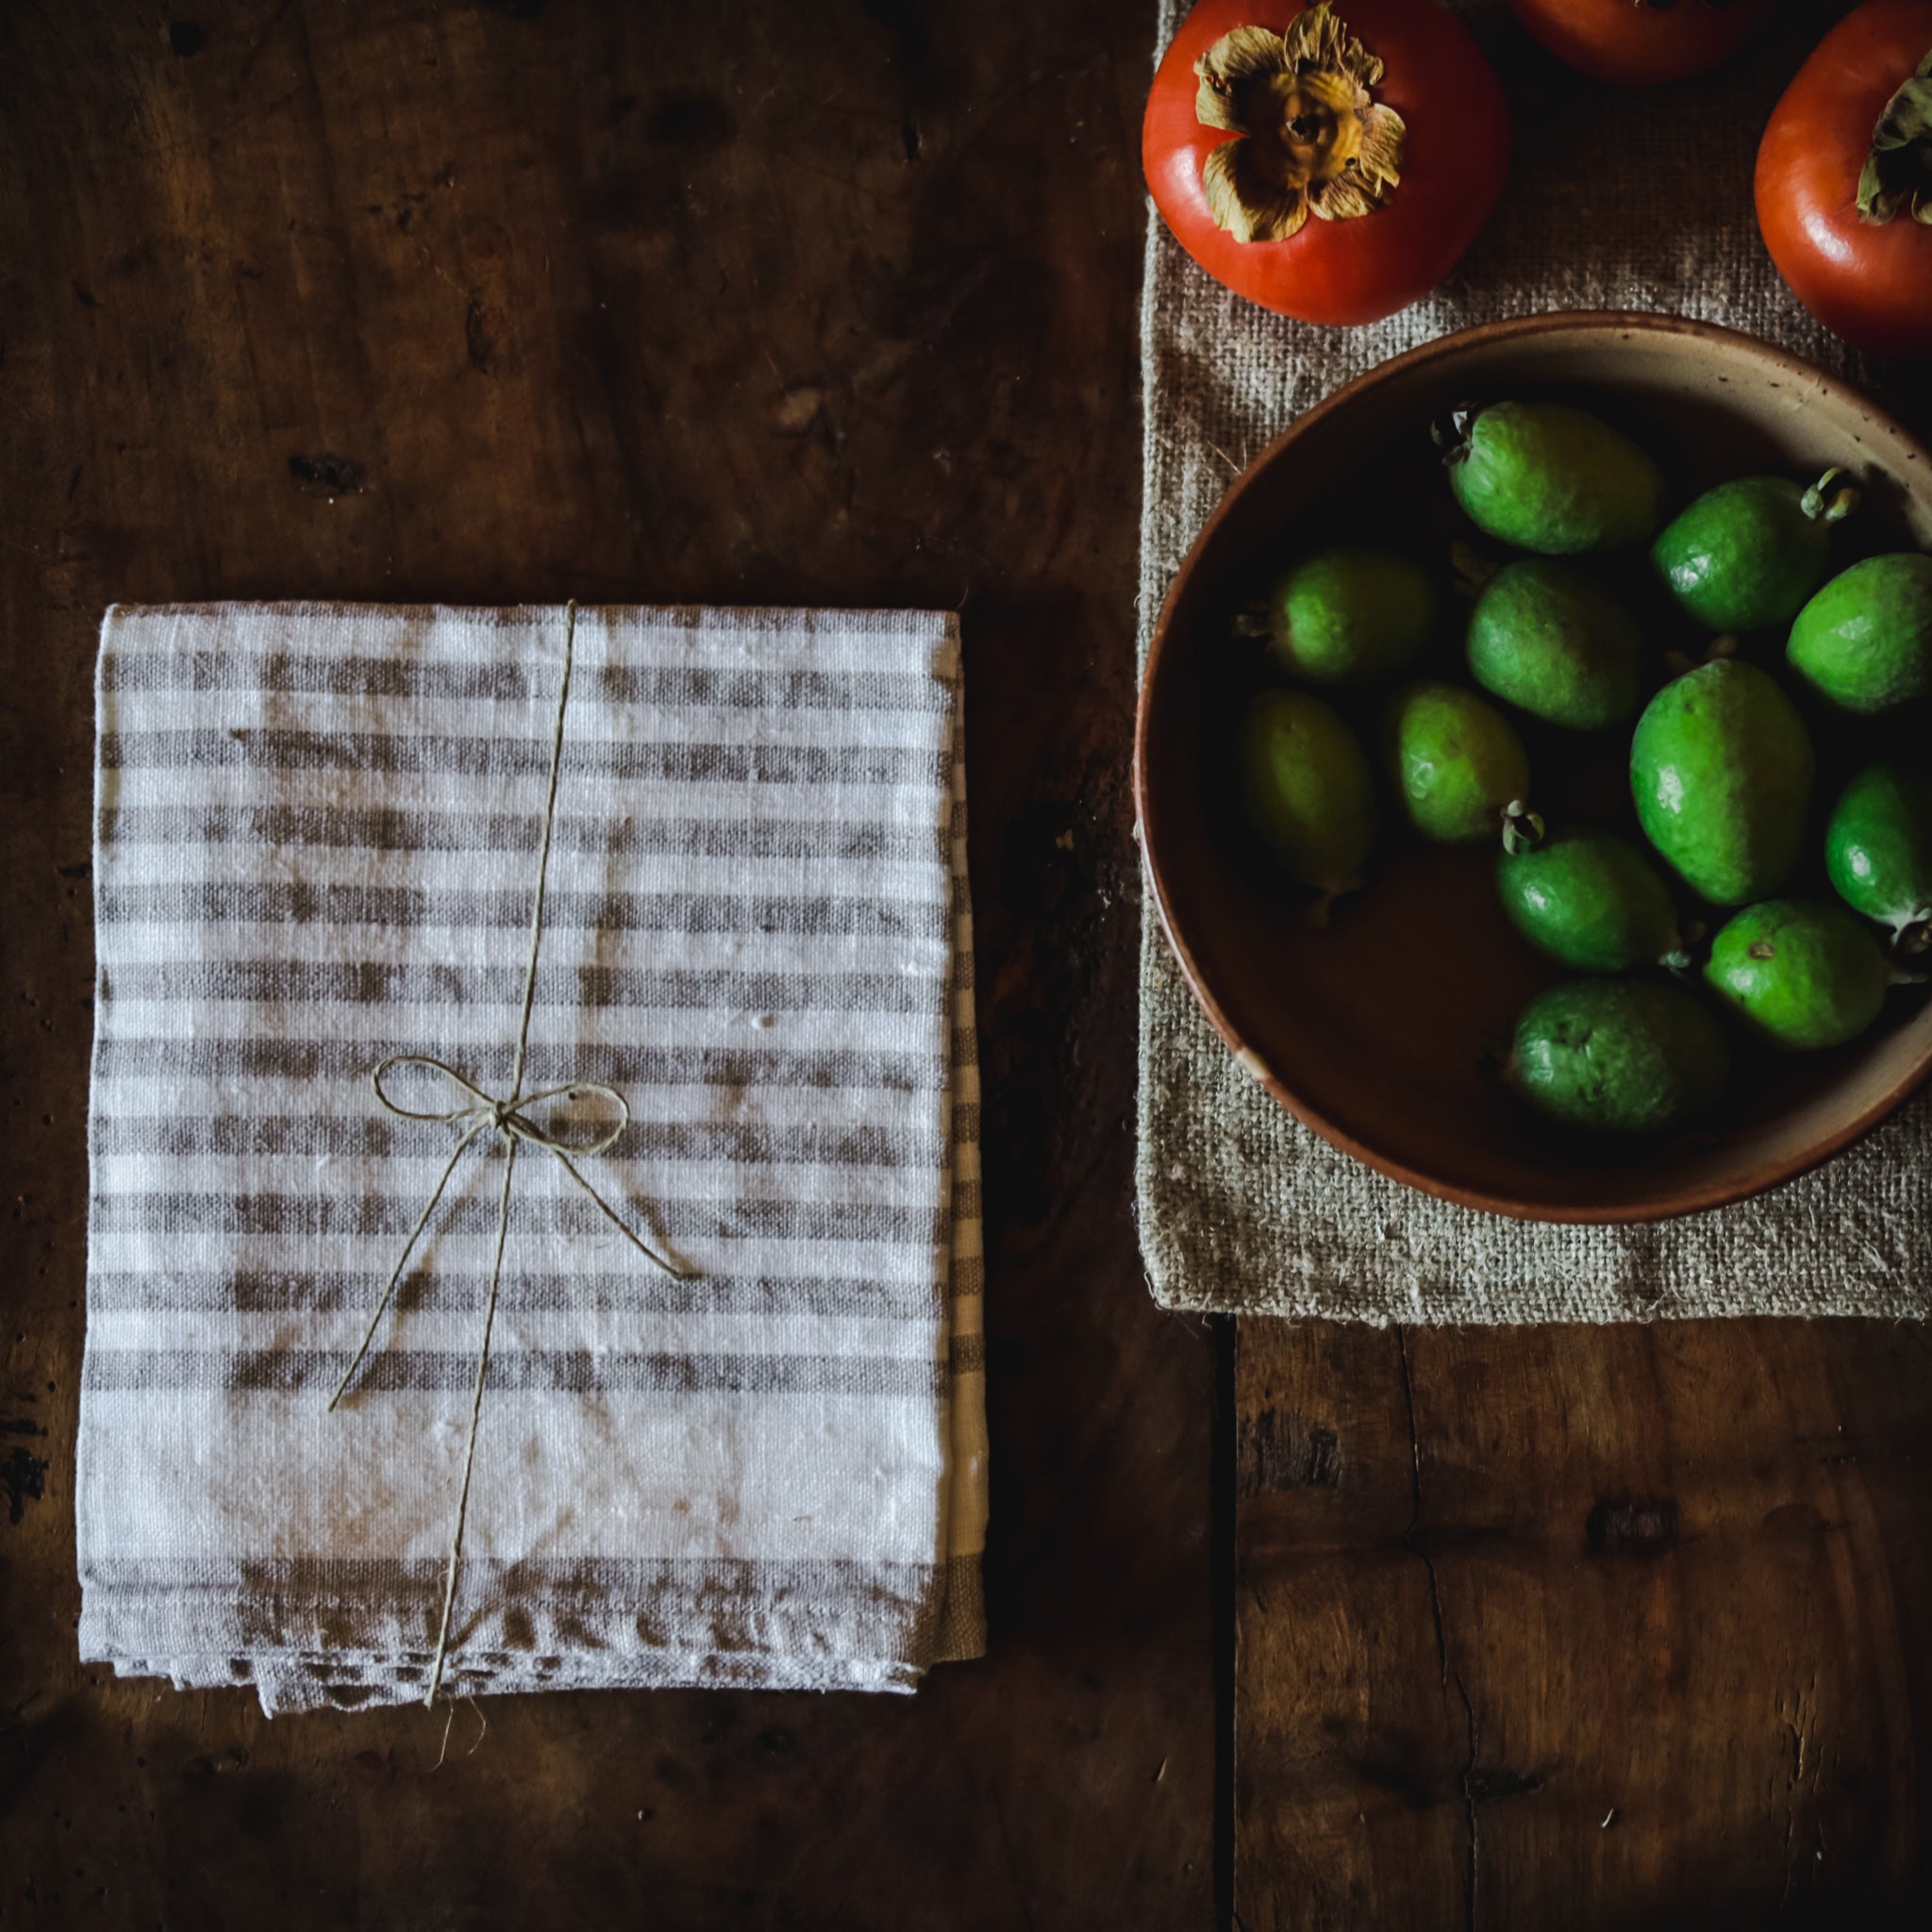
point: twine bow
(512, 1121)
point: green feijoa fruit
(1746, 554)
(1722, 769)
(1804, 973)
(1307, 788)
(1549, 638)
(1878, 850)
(1553, 480)
(1350, 614)
(1456, 762)
(1592, 901)
(1620, 1056)
(1865, 640)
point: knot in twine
(511, 1120)
(511, 1117)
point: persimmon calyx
(1309, 137)
(1897, 174)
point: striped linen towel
(317, 838)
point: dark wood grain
(826, 303)
(1587, 1627)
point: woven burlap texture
(1617, 198)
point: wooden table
(820, 305)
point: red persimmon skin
(1868, 282)
(1455, 159)
(1635, 46)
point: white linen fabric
(318, 829)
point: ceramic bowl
(1383, 1030)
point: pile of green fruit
(1724, 770)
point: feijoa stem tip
(1451, 431)
(1832, 506)
(1523, 829)
(1682, 959)
(1681, 663)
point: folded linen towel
(318, 829)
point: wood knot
(1634, 1529)
(1287, 1453)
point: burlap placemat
(1617, 198)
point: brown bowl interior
(1380, 1030)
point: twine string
(513, 1125)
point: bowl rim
(1670, 1204)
